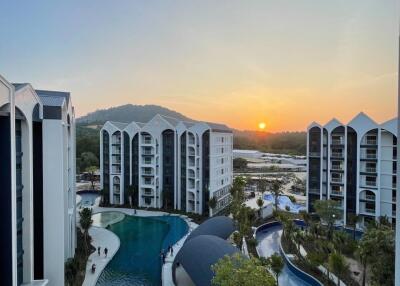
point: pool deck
(105, 238)
(166, 271)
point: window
(222, 139)
(147, 201)
(222, 182)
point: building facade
(167, 163)
(37, 144)
(354, 164)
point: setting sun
(262, 125)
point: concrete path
(166, 271)
(103, 238)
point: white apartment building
(354, 164)
(168, 163)
(37, 149)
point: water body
(269, 241)
(138, 262)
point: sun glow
(262, 125)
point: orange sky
(286, 63)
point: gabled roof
(119, 125)
(332, 124)
(18, 86)
(391, 126)
(53, 98)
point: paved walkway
(166, 272)
(103, 238)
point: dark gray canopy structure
(220, 226)
(199, 254)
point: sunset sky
(282, 62)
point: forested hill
(128, 113)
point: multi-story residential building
(168, 163)
(37, 135)
(354, 164)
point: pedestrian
(105, 251)
(98, 250)
(93, 268)
(163, 258)
(172, 251)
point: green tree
(239, 164)
(132, 193)
(262, 184)
(260, 203)
(377, 253)
(212, 203)
(86, 160)
(92, 174)
(237, 194)
(353, 220)
(329, 213)
(315, 258)
(276, 190)
(86, 222)
(338, 265)
(237, 270)
(276, 264)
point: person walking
(98, 250)
(105, 251)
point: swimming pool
(269, 240)
(137, 261)
(283, 202)
(88, 198)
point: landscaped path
(103, 238)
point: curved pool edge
(166, 274)
(112, 243)
(297, 271)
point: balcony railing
(314, 191)
(370, 170)
(337, 142)
(314, 154)
(148, 152)
(370, 183)
(368, 156)
(337, 154)
(337, 180)
(370, 197)
(337, 167)
(337, 193)
(370, 211)
(148, 172)
(369, 142)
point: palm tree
(212, 203)
(337, 264)
(91, 171)
(276, 264)
(86, 222)
(353, 220)
(276, 190)
(131, 194)
(260, 203)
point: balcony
(148, 152)
(337, 141)
(366, 155)
(337, 167)
(148, 193)
(314, 154)
(337, 155)
(314, 191)
(337, 180)
(148, 172)
(191, 152)
(370, 169)
(337, 193)
(370, 183)
(369, 141)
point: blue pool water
(88, 198)
(283, 202)
(138, 262)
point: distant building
(354, 164)
(247, 154)
(37, 157)
(168, 163)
